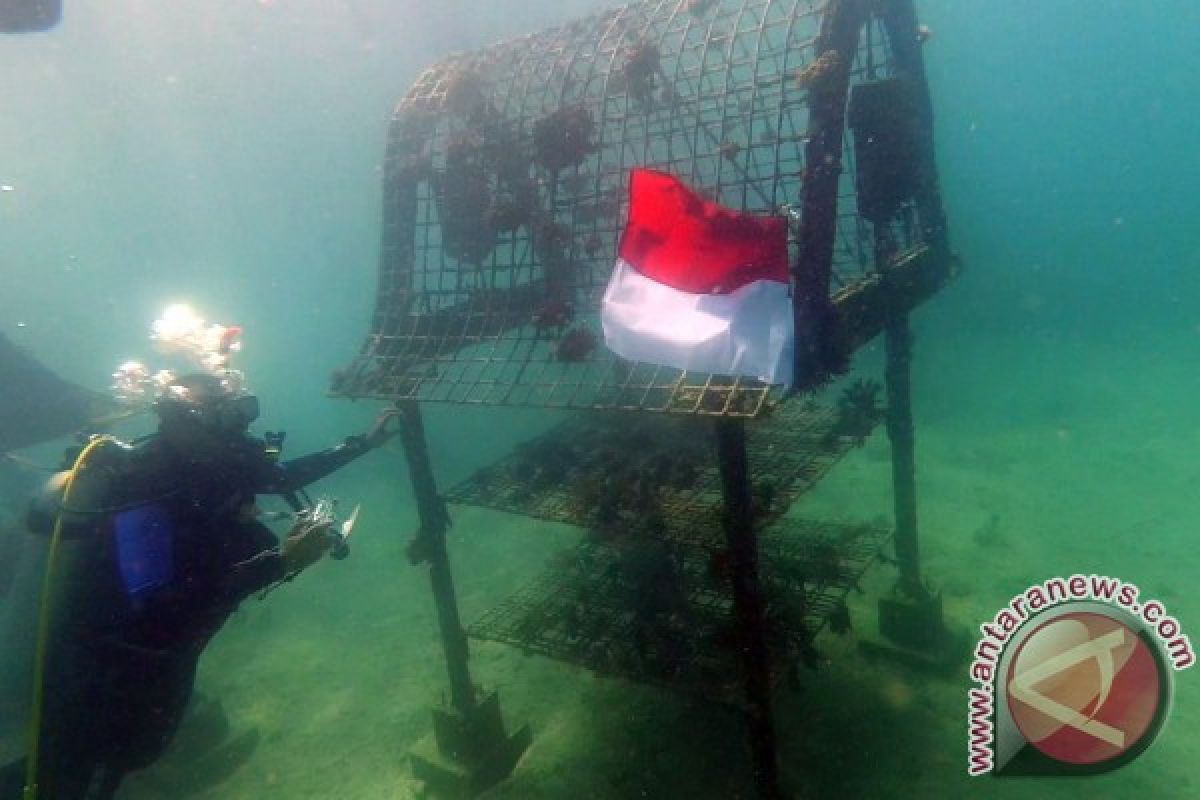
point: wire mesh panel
(655, 476)
(661, 613)
(505, 192)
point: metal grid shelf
(656, 473)
(657, 613)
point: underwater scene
(731, 399)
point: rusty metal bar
(817, 348)
(748, 607)
(429, 547)
(897, 372)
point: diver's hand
(305, 544)
(381, 431)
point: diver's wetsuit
(120, 674)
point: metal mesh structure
(505, 198)
(505, 193)
(662, 614)
(658, 475)
(646, 596)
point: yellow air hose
(43, 627)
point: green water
(229, 154)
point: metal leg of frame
(470, 751)
(748, 606)
(898, 347)
(910, 619)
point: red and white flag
(698, 286)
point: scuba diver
(170, 542)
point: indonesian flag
(698, 286)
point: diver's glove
(305, 544)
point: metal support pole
(748, 606)
(430, 547)
(470, 751)
(910, 618)
(897, 375)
